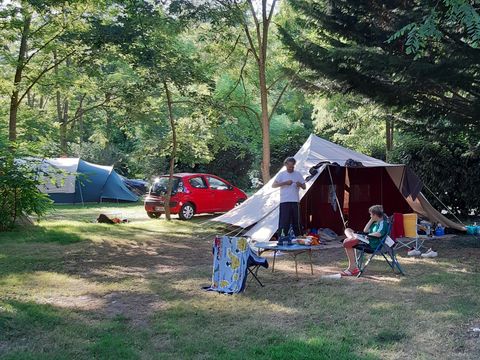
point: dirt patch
(136, 307)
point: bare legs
(348, 244)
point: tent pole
(81, 193)
(446, 207)
(340, 208)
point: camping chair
(411, 239)
(233, 261)
(254, 263)
(388, 253)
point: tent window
(360, 193)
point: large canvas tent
(73, 180)
(345, 185)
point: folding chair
(382, 248)
(254, 263)
(411, 239)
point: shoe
(414, 252)
(347, 272)
(430, 254)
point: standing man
(289, 181)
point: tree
(19, 195)
(346, 43)
(255, 20)
(153, 43)
(455, 14)
(31, 30)
(432, 93)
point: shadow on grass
(318, 347)
(35, 331)
(304, 319)
(40, 234)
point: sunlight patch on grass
(115, 271)
(212, 301)
(379, 353)
(432, 289)
(384, 278)
(437, 316)
(382, 306)
(7, 309)
(55, 288)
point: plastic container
(439, 231)
(332, 276)
(472, 229)
(410, 225)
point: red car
(193, 194)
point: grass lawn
(74, 289)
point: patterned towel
(230, 262)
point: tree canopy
(241, 84)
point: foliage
(449, 169)
(352, 121)
(345, 44)
(18, 190)
(287, 138)
(455, 15)
(340, 68)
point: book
(362, 238)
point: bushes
(450, 169)
(19, 195)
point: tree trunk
(173, 155)
(14, 102)
(265, 124)
(389, 133)
(63, 128)
(80, 122)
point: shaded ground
(74, 289)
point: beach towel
(230, 262)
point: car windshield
(160, 187)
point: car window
(160, 186)
(198, 183)
(216, 184)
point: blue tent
(78, 181)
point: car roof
(189, 174)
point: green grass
(74, 289)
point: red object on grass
(397, 228)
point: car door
(223, 194)
(200, 194)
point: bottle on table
(291, 235)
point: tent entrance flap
(372, 186)
(319, 208)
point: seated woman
(375, 229)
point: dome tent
(73, 180)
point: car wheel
(239, 201)
(186, 211)
(154, 215)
